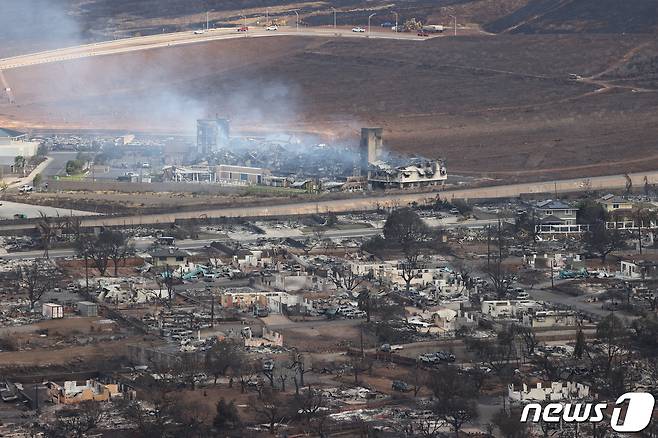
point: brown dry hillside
(487, 104)
(30, 25)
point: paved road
(181, 38)
(57, 165)
(368, 203)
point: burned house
(415, 173)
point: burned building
(211, 135)
(371, 147)
(415, 173)
(242, 174)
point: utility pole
(297, 14)
(334, 9)
(639, 230)
(396, 21)
(207, 22)
(212, 307)
(488, 246)
(267, 16)
(369, 17)
(552, 274)
(455, 25)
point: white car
(199, 32)
(358, 29)
(273, 27)
(26, 188)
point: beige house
(169, 257)
(613, 202)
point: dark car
(399, 385)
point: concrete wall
(129, 187)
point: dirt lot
(496, 104)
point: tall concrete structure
(211, 135)
(371, 146)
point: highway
(188, 37)
(368, 203)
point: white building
(52, 311)
(507, 308)
(14, 144)
(556, 392)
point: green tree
(590, 212)
(36, 181)
(405, 228)
(227, 417)
(602, 241)
(20, 163)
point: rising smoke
(152, 92)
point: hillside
(486, 104)
(580, 16)
(32, 25)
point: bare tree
(312, 407)
(343, 277)
(222, 357)
(169, 281)
(46, 227)
(455, 397)
(119, 248)
(76, 422)
(409, 265)
(269, 408)
(84, 248)
(35, 280)
(629, 184)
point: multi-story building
(417, 173)
(211, 135)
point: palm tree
(19, 163)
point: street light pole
(455, 27)
(396, 21)
(297, 13)
(267, 16)
(334, 9)
(369, 17)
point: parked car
(399, 385)
(422, 33)
(26, 188)
(358, 29)
(273, 27)
(243, 28)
